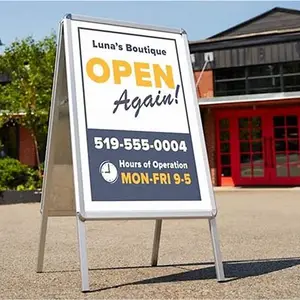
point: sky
(201, 19)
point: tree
(30, 66)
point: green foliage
(30, 66)
(16, 176)
(42, 167)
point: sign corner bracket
(68, 16)
(81, 217)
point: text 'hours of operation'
(139, 144)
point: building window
(4, 79)
(9, 135)
(291, 76)
(225, 157)
(230, 82)
(258, 79)
(263, 79)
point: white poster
(140, 144)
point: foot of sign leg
(42, 242)
(216, 249)
(85, 287)
(156, 241)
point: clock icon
(108, 171)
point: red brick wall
(205, 88)
(27, 154)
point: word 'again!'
(146, 75)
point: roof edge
(275, 9)
(245, 36)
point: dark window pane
(224, 123)
(222, 93)
(4, 79)
(290, 68)
(263, 70)
(243, 122)
(8, 137)
(229, 73)
(225, 159)
(278, 121)
(257, 158)
(256, 122)
(225, 147)
(292, 121)
(224, 135)
(293, 145)
(245, 158)
(245, 147)
(230, 88)
(264, 90)
(279, 133)
(291, 89)
(291, 83)
(280, 146)
(256, 147)
(264, 85)
(226, 171)
(292, 132)
(256, 134)
(244, 134)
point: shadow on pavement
(234, 270)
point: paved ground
(260, 239)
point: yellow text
(146, 75)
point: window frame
(281, 74)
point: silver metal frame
(136, 215)
(215, 244)
(65, 43)
(86, 214)
(84, 270)
(216, 249)
(156, 241)
(202, 139)
(49, 159)
(81, 232)
(88, 19)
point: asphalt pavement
(259, 233)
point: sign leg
(83, 255)
(43, 232)
(156, 241)
(216, 249)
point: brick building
(249, 98)
(18, 143)
(17, 140)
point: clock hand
(108, 171)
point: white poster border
(134, 209)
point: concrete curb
(15, 197)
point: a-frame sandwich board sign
(125, 136)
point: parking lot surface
(259, 233)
